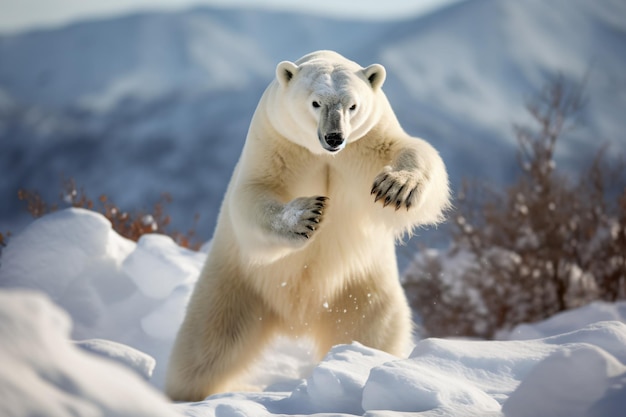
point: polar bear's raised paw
(302, 216)
(398, 188)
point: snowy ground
(129, 294)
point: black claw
(389, 188)
(377, 183)
(313, 219)
(408, 205)
(318, 212)
(398, 204)
(304, 235)
(311, 228)
(378, 196)
(387, 201)
(373, 189)
(410, 196)
(322, 198)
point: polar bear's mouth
(332, 142)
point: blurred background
(135, 101)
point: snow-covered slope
(136, 294)
(43, 374)
(139, 105)
(473, 66)
(101, 279)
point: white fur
(273, 267)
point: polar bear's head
(324, 101)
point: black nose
(334, 140)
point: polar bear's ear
(376, 75)
(285, 72)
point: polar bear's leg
(225, 327)
(376, 316)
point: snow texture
(140, 362)
(43, 374)
(131, 293)
(573, 364)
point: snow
(569, 321)
(70, 276)
(131, 293)
(555, 387)
(43, 374)
(138, 361)
(174, 269)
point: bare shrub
(131, 225)
(544, 244)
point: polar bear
(305, 240)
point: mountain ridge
(137, 105)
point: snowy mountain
(160, 102)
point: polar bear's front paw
(302, 216)
(398, 188)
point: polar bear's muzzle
(333, 141)
(331, 130)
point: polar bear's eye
(315, 104)
(353, 107)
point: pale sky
(19, 15)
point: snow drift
(126, 297)
(43, 374)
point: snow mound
(121, 294)
(61, 255)
(336, 384)
(570, 320)
(175, 269)
(575, 374)
(43, 374)
(113, 288)
(143, 364)
(567, 382)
